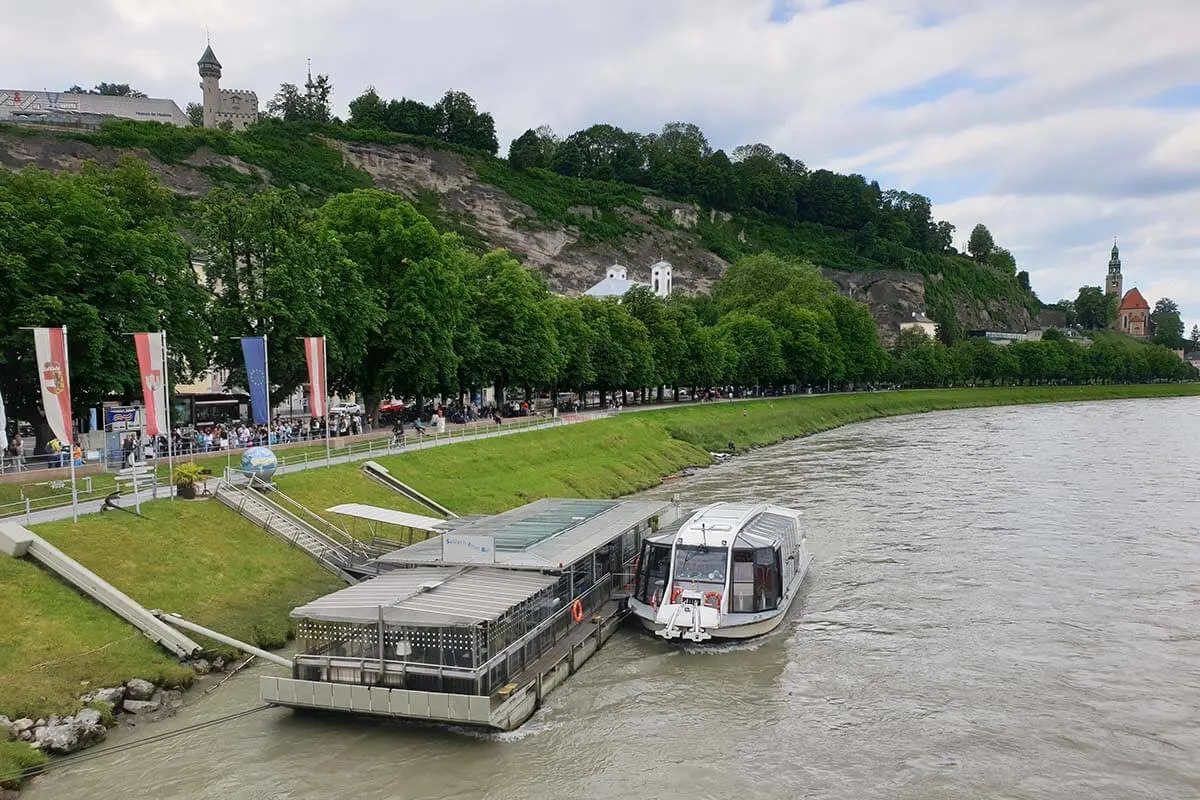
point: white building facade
(237, 107)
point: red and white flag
(314, 351)
(50, 346)
(154, 387)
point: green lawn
(196, 558)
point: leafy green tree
(981, 245)
(195, 114)
(526, 151)
(576, 343)
(108, 90)
(460, 122)
(1194, 338)
(312, 105)
(368, 110)
(1094, 309)
(621, 347)
(274, 270)
(511, 306)
(416, 276)
(1003, 261)
(666, 340)
(756, 358)
(605, 152)
(859, 337)
(1023, 281)
(1167, 324)
(95, 251)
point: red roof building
(1133, 314)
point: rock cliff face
(665, 229)
(569, 265)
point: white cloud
(1057, 155)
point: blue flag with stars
(254, 350)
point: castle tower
(1113, 283)
(660, 278)
(210, 84)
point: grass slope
(196, 558)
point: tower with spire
(237, 107)
(1114, 281)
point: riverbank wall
(199, 559)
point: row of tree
(408, 312)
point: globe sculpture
(260, 462)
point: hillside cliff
(570, 230)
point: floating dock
(477, 625)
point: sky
(1057, 123)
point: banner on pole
(3, 428)
(154, 388)
(254, 351)
(318, 392)
(50, 346)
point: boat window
(742, 601)
(701, 569)
(653, 566)
(768, 586)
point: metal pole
(71, 442)
(325, 388)
(167, 407)
(267, 379)
(180, 622)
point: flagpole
(325, 390)
(71, 437)
(267, 380)
(167, 409)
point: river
(1003, 603)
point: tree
(368, 110)
(666, 340)
(108, 89)
(511, 307)
(195, 114)
(1003, 261)
(526, 151)
(460, 122)
(575, 342)
(1195, 338)
(1166, 324)
(97, 252)
(311, 105)
(1095, 310)
(274, 270)
(606, 152)
(416, 276)
(1023, 280)
(981, 244)
(859, 339)
(756, 358)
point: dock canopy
(429, 596)
(548, 534)
(390, 516)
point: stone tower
(210, 84)
(1114, 282)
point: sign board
(459, 549)
(123, 418)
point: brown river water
(1003, 603)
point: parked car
(345, 408)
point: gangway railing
(380, 473)
(338, 557)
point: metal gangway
(377, 472)
(18, 541)
(273, 511)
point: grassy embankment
(203, 561)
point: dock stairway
(283, 517)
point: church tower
(210, 83)
(1114, 282)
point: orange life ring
(715, 597)
(676, 593)
(577, 612)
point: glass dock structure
(478, 624)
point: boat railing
(591, 600)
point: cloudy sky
(1058, 123)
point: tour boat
(730, 571)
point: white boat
(730, 571)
